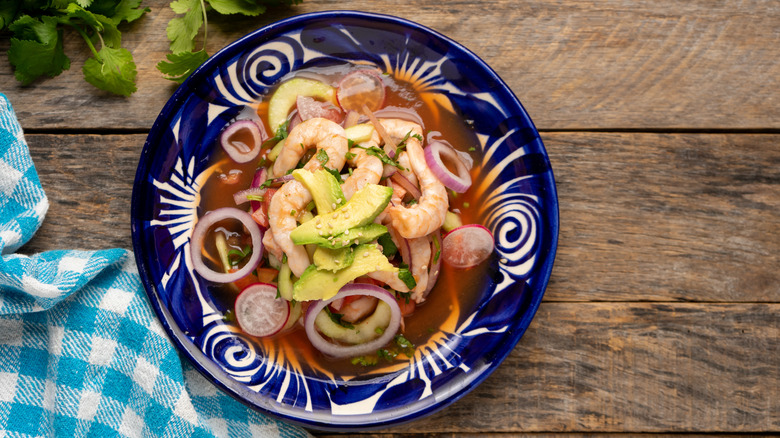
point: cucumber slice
(360, 133)
(362, 332)
(283, 100)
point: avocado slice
(360, 210)
(365, 234)
(285, 96)
(315, 284)
(333, 260)
(324, 189)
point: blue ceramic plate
(515, 187)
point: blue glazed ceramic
(515, 186)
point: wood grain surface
(663, 64)
(662, 123)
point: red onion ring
(240, 150)
(341, 351)
(241, 197)
(397, 112)
(406, 185)
(260, 176)
(199, 235)
(433, 154)
(435, 270)
(433, 136)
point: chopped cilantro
(349, 155)
(382, 155)
(336, 174)
(388, 246)
(402, 143)
(322, 156)
(280, 134)
(336, 318)
(365, 361)
(405, 275)
(437, 244)
(472, 149)
(406, 346)
(258, 198)
(239, 255)
(387, 355)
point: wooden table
(662, 122)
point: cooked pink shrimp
(428, 214)
(420, 251)
(288, 202)
(368, 168)
(403, 160)
(317, 132)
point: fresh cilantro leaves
(193, 15)
(405, 275)
(36, 46)
(382, 155)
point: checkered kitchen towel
(81, 353)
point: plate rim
(210, 370)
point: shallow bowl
(515, 188)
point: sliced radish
(467, 246)
(310, 108)
(361, 87)
(259, 312)
(242, 140)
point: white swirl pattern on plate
(513, 218)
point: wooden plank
(574, 65)
(667, 217)
(516, 435)
(630, 367)
(643, 216)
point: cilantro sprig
(193, 15)
(38, 27)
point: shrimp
(428, 214)
(418, 258)
(368, 168)
(322, 133)
(288, 202)
(292, 198)
(420, 253)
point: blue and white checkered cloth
(81, 352)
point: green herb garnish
(239, 255)
(382, 155)
(36, 47)
(336, 318)
(183, 30)
(405, 275)
(365, 361)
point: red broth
(452, 298)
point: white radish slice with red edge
(361, 87)
(467, 246)
(259, 312)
